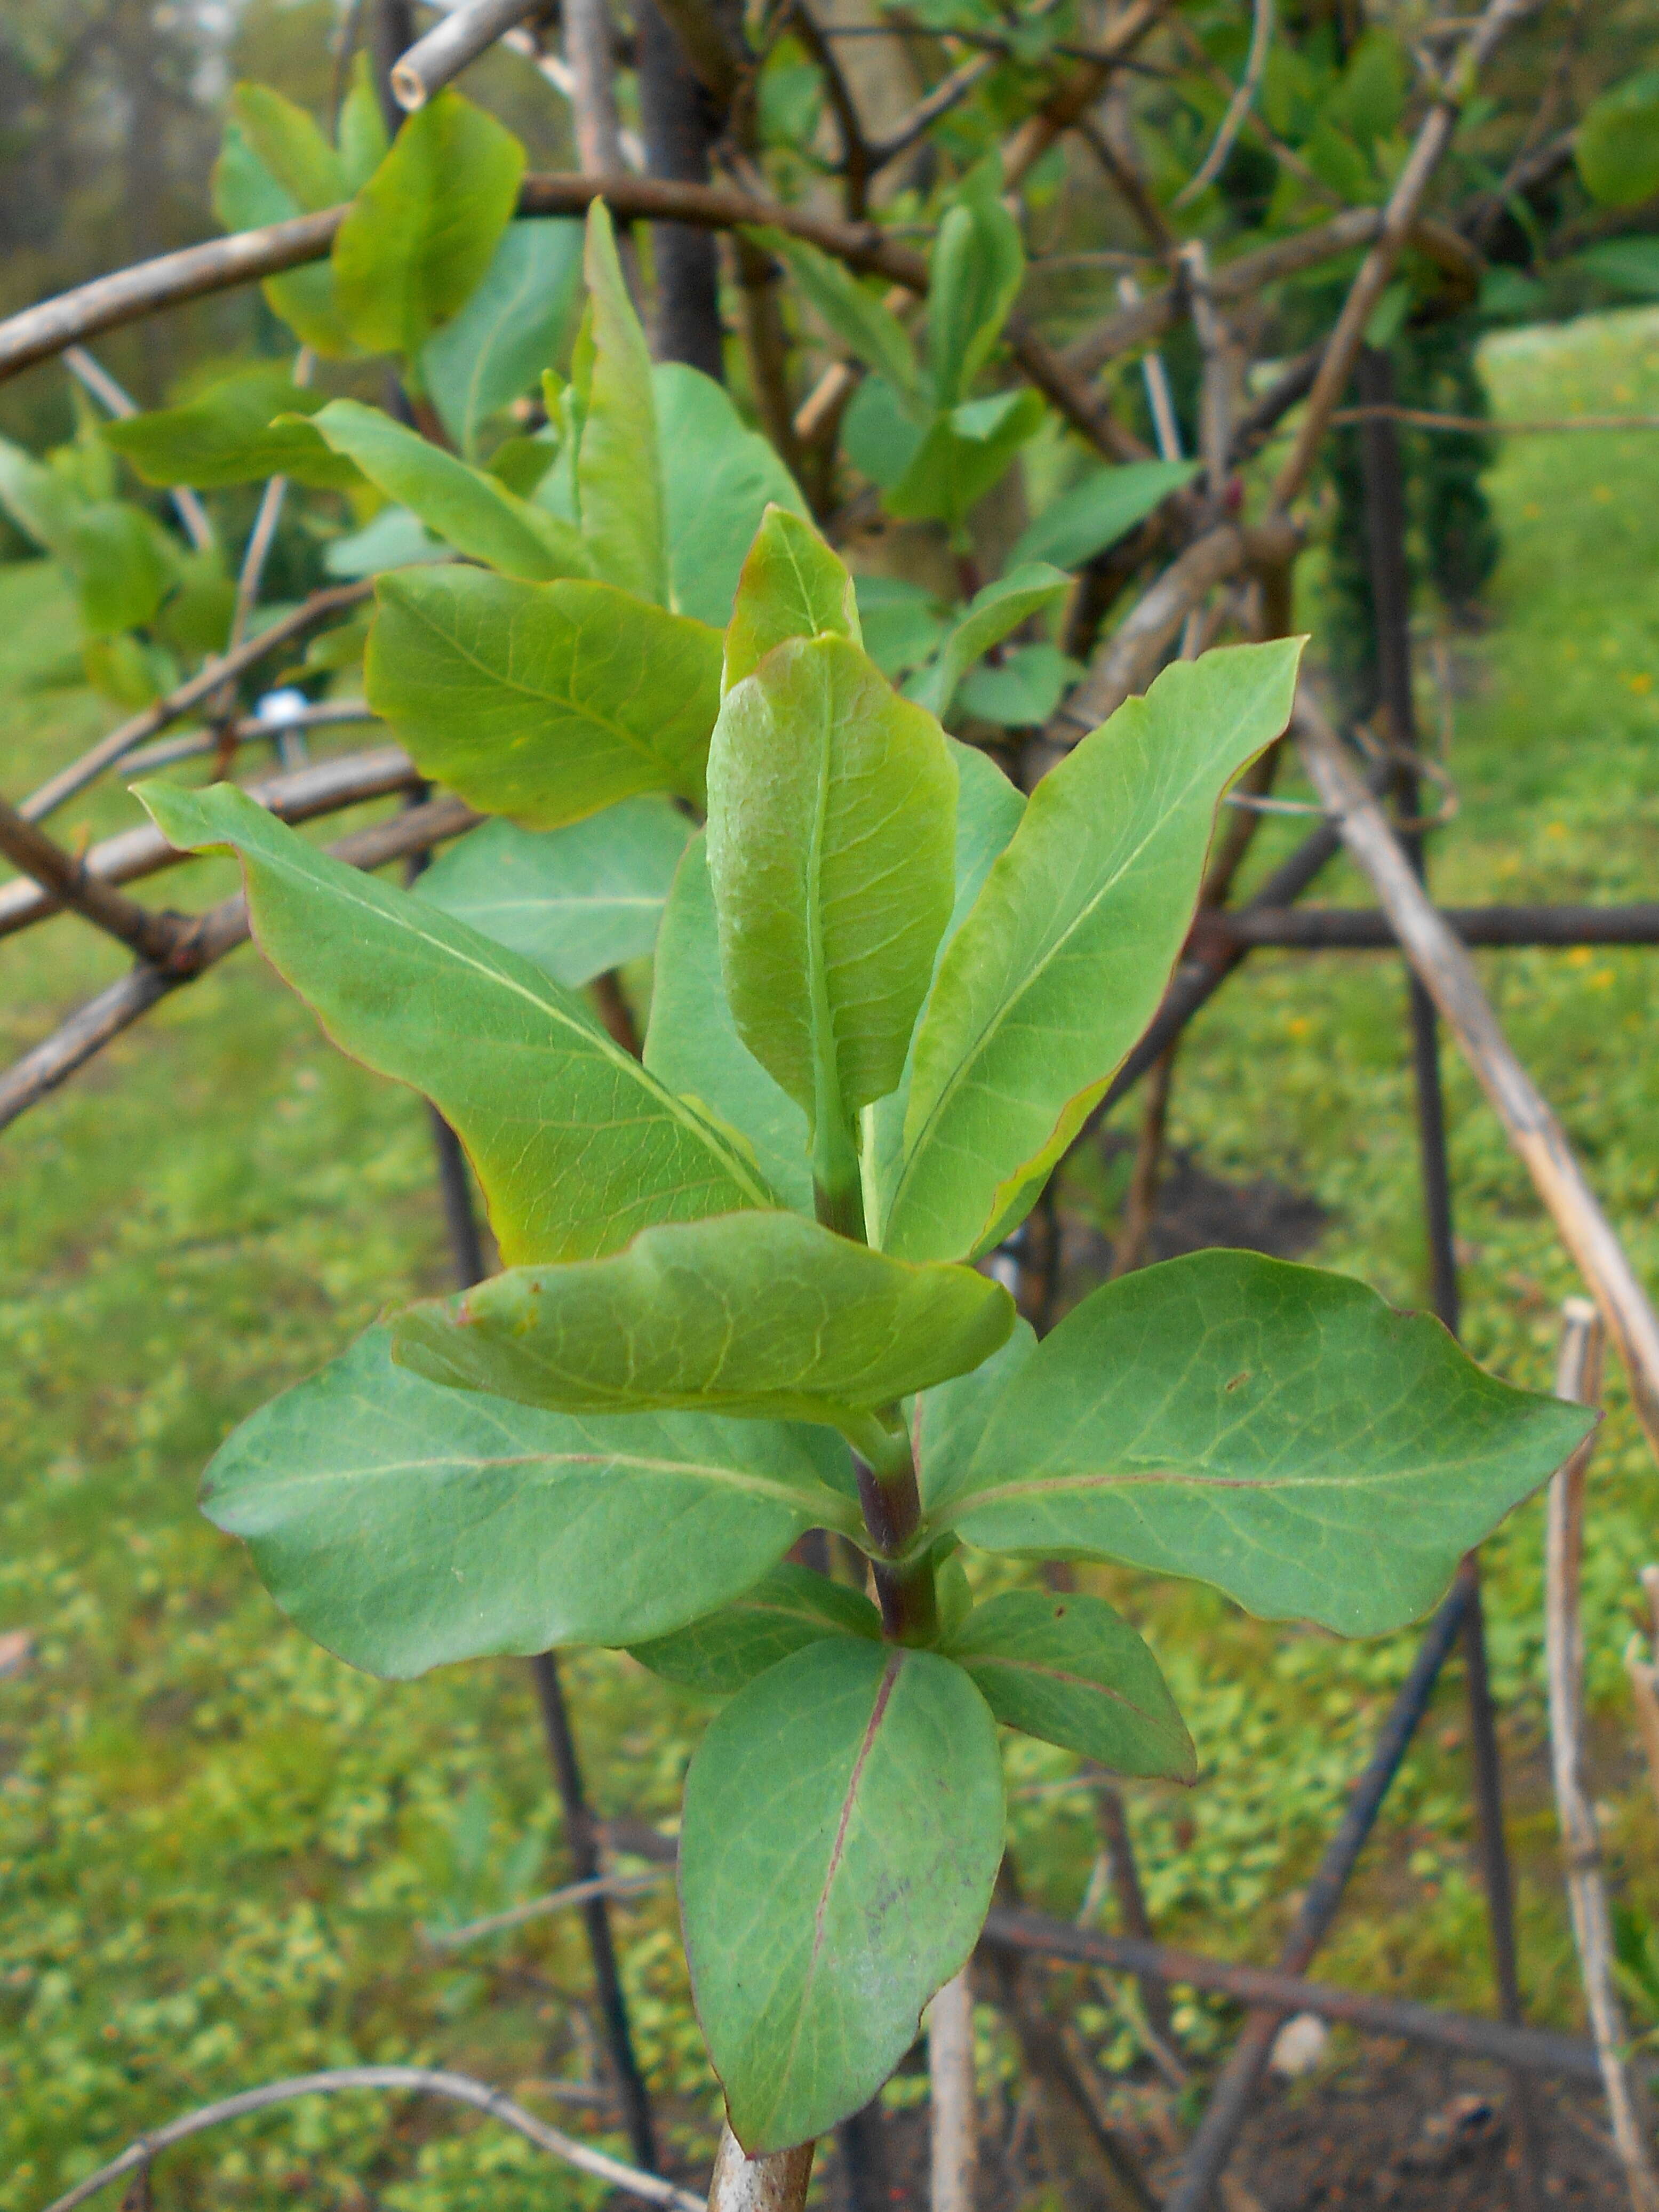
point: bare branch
(185, 697)
(450, 45)
(1078, 95)
(1262, 30)
(955, 2131)
(590, 49)
(538, 1908)
(947, 94)
(1450, 976)
(321, 787)
(66, 883)
(1423, 418)
(855, 154)
(417, 2080)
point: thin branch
(538, 1908)
(109, 394)
(775, 2184)
(949, 92)
(590, 43)
(208, 936)
(1644, 1677)
(1058, 113)
(1423, 418)
(185, 697)
(855, 154)
(1261, 31)
(417, 2080)
(451, 45)
(1533, 1130)
(66, 882)
(303, 794)
(1433, 137)
(1578, 1377)
(954, 2133)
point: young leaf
(1617, 148)
(576, 900)
(122, 562)
(1273, 1430)
(508, 332)
(974, 273)
(575, 1145)
(842, 1829)
(545, 701)
(723, 1651)
(963, 455)
(1023, 690)
(229, 434)
(362, 137)
(1061, 965)
(882, 433)
(618, 473)
(692, 1044)
(758, 1314)
(718, 479)
(863, 323)
(291, 147)
(405, 1527)
(903, 622)
(422, 231)
(44, 505)
(246, 195)
(1095, 513)
(1002, 606)
(1071, 1671)
(792, 585)
(470, 508)
(831, 825)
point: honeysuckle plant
(740, 1297)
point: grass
(218, 1846)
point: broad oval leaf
(1061, 964)
(543, 702)
(473, 511)
(832, 828)
(246, 195)
(792, 585)
(405, 1527)
(757, 1313)
(718, 479)
(725, 1651)
(842, 1829)
(576, 900)
(1070, 1670)
(576, 1146)
(1274, 1429)
(229, 434)
(290, 145)
(1617, 148)
(692, 1043)
(418, 238)
(509, 331)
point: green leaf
(395, 539)
(229, 435)
(1617, 149)
(792, 585)
(963, 455)
(544, 702)
(1628, 264)
(423, 230)
(988, 811)
(1273, 1430)
(864, 324)
(470, 508)
(508, 332)
(619, 474)
(1002, 606)
(245, 196)
(1070, 1670)
(405, 1527)
(284, 138)
(363, 139)
(725, 1651)
(757, 1314)
(975, 273)
(718, 479)
(575, 1145)
(692, 1044)
(830, 834)
(576, 900)
(122, 562)
(1062, 963)
(842, 1829)
(902, 623)
(44, 504)
(880, 433)
(1095, 513)
(1023, 690)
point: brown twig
(856, 155)
(1578, 1377)
(415, 2081)
(1533, 1130)
(1423, 418)
(67, 883)
(953, 2131)
(185, 697)
(1261, 29)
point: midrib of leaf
(1003, 1013)
(646, 752)
(596, 1040)
(970, 1660)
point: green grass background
(218, 1846)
